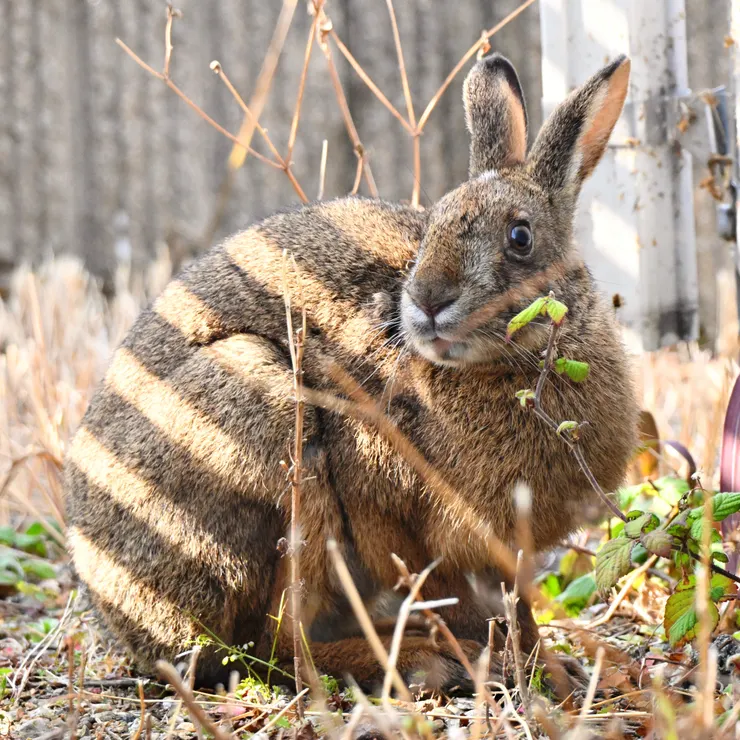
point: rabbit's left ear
(574, 138)
(495, 114)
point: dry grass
(57, 332)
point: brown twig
(571, 442)
(142, 714)
(468, 55)
(324, 28)
(368, 81)
(510, 601)
(169, 673)
(301, 89)
(172, 13)
(322, 169)
(284, 164)
(363, 618)
(296, 343)
(193, 105)
(264, 81)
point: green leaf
(7, 536)
(658, 542)
(640, 524)
(613, 561)
(575, 370)
(526, 397)
(578, 591)
(8, 578)
(720, 586)
(556, 310)
(37, 528)
(724, 504)
(671, 489)
(680, 620)
(531, 312)
(39, 569)
(32, 543)
(566, 426)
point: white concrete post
(635, 225)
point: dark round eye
(520, 237)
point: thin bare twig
(510, 601)
(301, 89)
(296, 343)
(322, 169)
(468, 55)
(169, 673)
(363, 618)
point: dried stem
(359, 149)
(142, 712)
(402, 66)
(363, 618)
(322, 169)
(401, 620)
(284, 164)
(510, 601)
(468, 55)
(264, 81)
(301, 90)
(169, 673)
(194, 106)
(171, 15)
(296, 340)
(371, 85)
(572, 443)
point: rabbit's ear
(495, 114)
(574, 137)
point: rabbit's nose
(433, 302)
(433, 307)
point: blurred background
(99, 159)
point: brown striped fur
(174, 486)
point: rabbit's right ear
(495, 114)
(574, 138)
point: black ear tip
(496, 66)
(615, 64)
(496, 63)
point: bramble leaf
(724, 504)
(680, 619)
(637, 526)
(529, 314)
(578, 591)
(556, 310)
(613, 561)
(658, 542)
(575, 370)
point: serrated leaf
(578, 591)
(721, 586)
(724, 504)
(529, 314)
(556, 310)
(658, 542)
(637, 526)
(613, 561)
(680, 620)
(672, 489)
(575, 370)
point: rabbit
(176, 495)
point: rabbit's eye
(520, 238)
